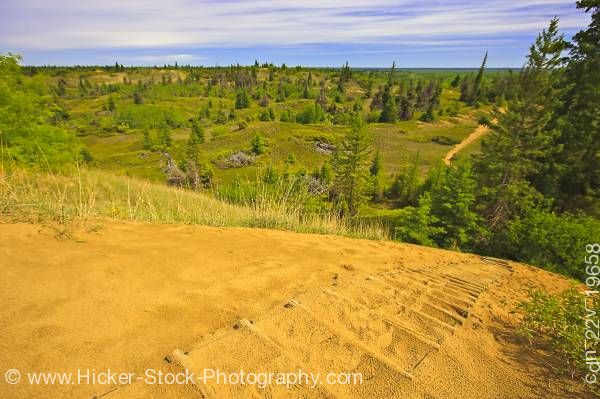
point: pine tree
(351, 166)
(242, 99)
(453, 205)
(456, 81)
(137, 97)
(417, 225)
(258, 144)
(198, 131)
(165, 136)
(147, 141)
(577, 167)
(389, 112)
(191, 148)
(111, 104)
(477, 85)
(375, 171)
(514, 153)
(392, 75)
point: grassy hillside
(87, 194)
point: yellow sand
(126, 295)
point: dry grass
(88, 194)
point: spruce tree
(576, 168)
(242, 99)
(351, 166)
(514, 153)
(197, 131)
(453, 205)
(389, 112)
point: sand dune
(416, 322)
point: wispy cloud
(43, 25)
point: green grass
(115, 139)
(88, 194)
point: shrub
(484, 120)
(554, 242)
(560, 320)
(444, 140)
(419, 138)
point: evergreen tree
(191, 148)
(477, 85)
(453, 205)
(389, 112)
(165, 136)
(258, 144)
(407, 106)
(242, 99)
(456, 81)
(351, 166)
(513, 154)
(576, 167)
(417, 225)
(137, 97)
(147, 141)
(198, 131)
(392, 74)
(428, 116)
(375, 171)
(111, 104)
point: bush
(554, 242)
(484, 120)
(444, 140)
(560, 320)
(419, 138)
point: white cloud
(62, 24)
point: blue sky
(367, 33)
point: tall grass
(86, 194)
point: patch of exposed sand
(125, 295)
(477, 133)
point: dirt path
(477, 133)
(415, 322)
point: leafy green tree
(351, 166)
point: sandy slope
(477, 133)
(124, 295)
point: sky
(366, 33)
